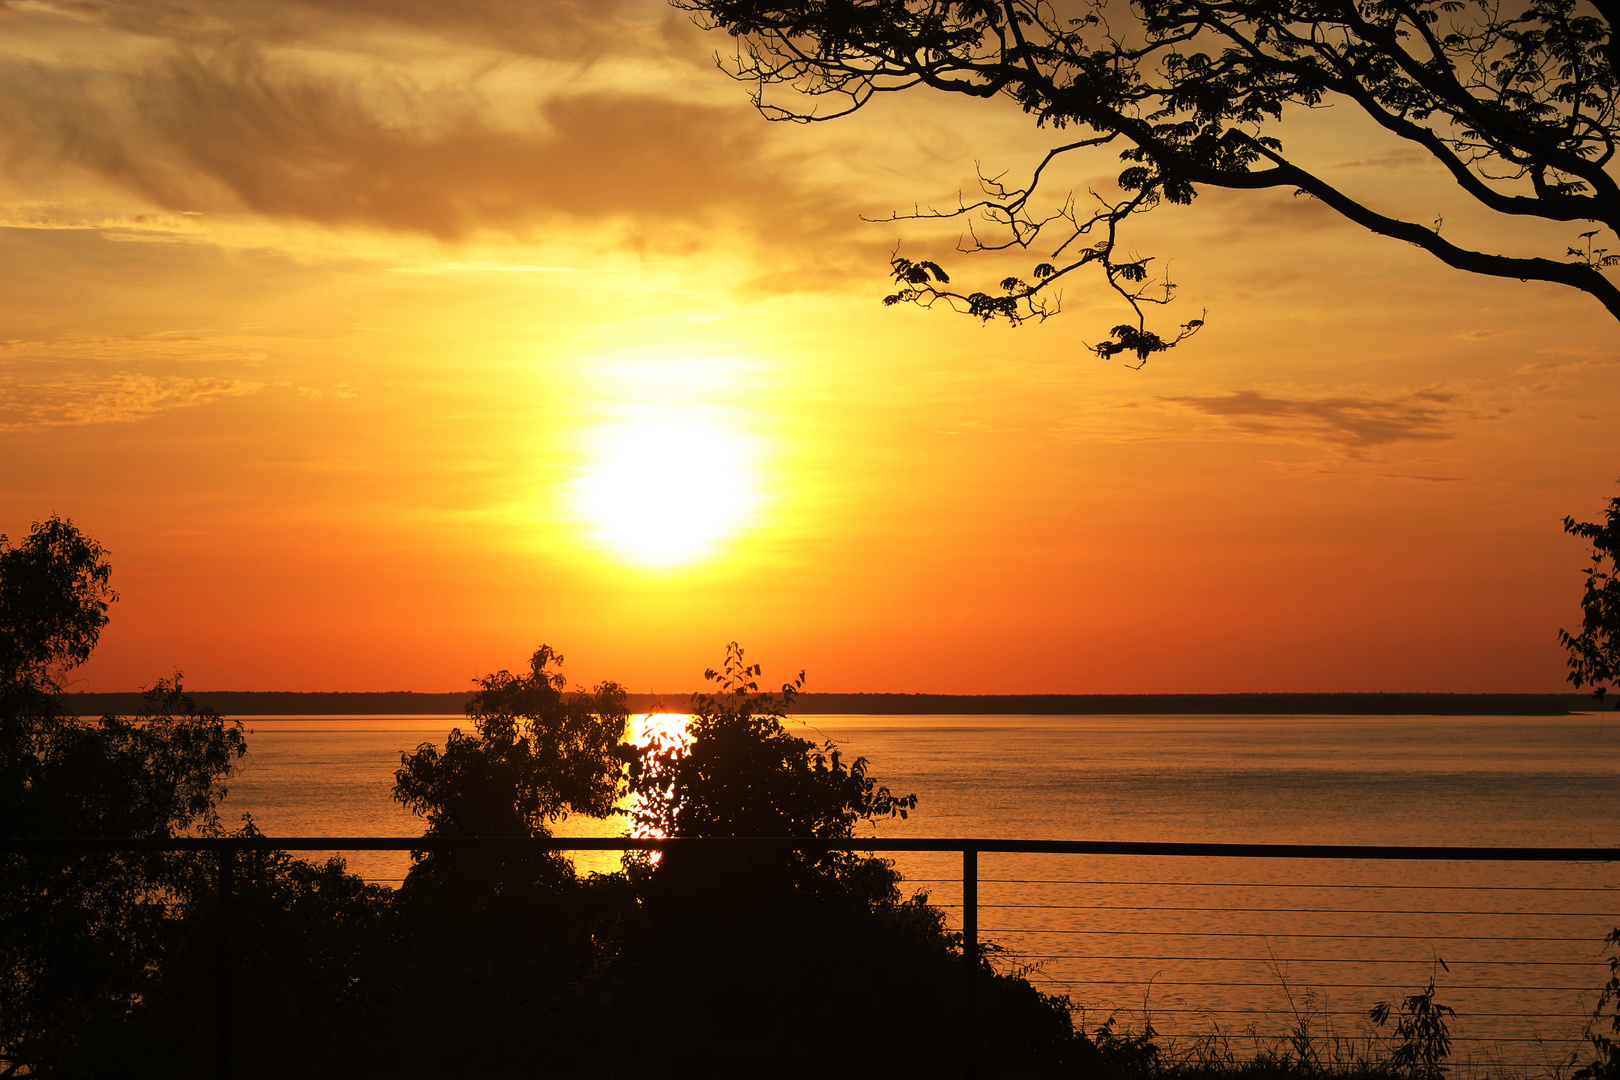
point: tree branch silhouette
(1519, 106)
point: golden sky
(382, 340)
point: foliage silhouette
(307, 950)
(1594, 653)
(1520, 106)
(1422, 1033)
(81, 936)
(739, 772)
(1603, 1028)
(535, 755)
(725, 961)
(736, 953)
(54, 594)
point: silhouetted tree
(732, 954)
(739, 772)
(499, 946)
(54, 593)
(1518, 104)
(536, 754)
(81, 936)
(1594, 653)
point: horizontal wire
(1285, 885)
(1211, 1010)
(1326, 960)
(1493, 1066)
(1314, 986)
(1230, 1035)
(1235, 933)
(1282, 1035)
(1250, 934)
(1297, 911)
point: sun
(666, 490)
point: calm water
(1196, 945)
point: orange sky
(380, 342)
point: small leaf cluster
(1593, 258)
(1141, 342)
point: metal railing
(1039, 952)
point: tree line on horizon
(879, 703)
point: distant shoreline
(286, 703)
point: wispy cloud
(107, 399)
(1353, 424)
(239, 129)
(133, 350)
(576, 30)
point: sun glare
(665, 491)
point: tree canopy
(54, 593)
(1517, 104)
(156, 774)
(740, 772)
(1594, 653)
(536, 754)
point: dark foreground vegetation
(711, 962)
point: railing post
(970, 959)
(222, 962)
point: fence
(1108, 938)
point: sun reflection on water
(662, 732)
(667, 730)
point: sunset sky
(380, 341)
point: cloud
(1401, 157)
(577, 30)
(237, 130)
(1377, 471)
(145, 349)
(116, 398)
(1240, 215)
(1352, 424)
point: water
(1246, 947)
